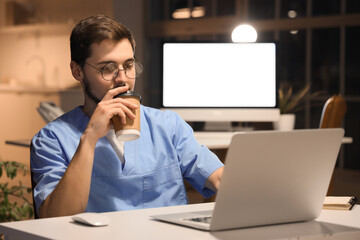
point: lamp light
(181, 13)
(244, 33)
(198, 12)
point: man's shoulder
(161, 113)
(66, 121)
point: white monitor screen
(219, 75)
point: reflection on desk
(138, 224)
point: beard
(89, 92)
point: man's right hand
(108, 107)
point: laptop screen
(219, 75)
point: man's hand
(109, 106)
(213, 182)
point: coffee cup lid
(129, 94)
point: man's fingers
(121, 115)
(123, 112)
(119, 102)
(122, 109)
(125, 102)
(115, 91)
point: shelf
(50, 29)
(34, 90)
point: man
(76, 168)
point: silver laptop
(270, 177)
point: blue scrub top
(154, 168)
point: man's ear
(76, 71)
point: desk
(221, 140)
(212, 140)
(137, 224)
(20, 142)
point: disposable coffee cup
(131, 130)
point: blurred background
(318, 43)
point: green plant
(11, 211)
(290, 102)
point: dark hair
(96, 29)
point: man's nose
(121, 77)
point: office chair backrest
(33, 184)
(333, 112)
(331, 117)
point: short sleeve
(48, 164)
(197, 162)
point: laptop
(270, 177)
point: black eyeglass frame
(138, 70)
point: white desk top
(138, 224)
(212, 140)
(219, 140)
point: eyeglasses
(109, 72)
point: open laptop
(270, 177)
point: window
(325, 7)
(318, 42)
(352, 6)
(352, 119)
(352, 60)
(291, 58)
(293, 8)
(261, 9)
(326, 60)
(225, 7)
(265, 36)
(156, 10)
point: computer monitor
(220, 81)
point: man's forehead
(107, 46)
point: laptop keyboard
(206, 219)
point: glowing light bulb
(244, 33)
(292, 14)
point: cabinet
(20, 119)
(33, 12)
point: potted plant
(10, 210)
(290, 102)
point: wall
(35, 59)
(34, 67)
(131, 14)
(20, 121)
(38, 53)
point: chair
(333, 112)
(33, 184)
(331, 117)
